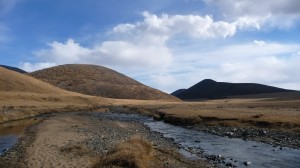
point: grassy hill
(23, 96)
(11, 81)
(210, 89)
(13, 69)
(98, 81)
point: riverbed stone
(247, 163)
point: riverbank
(276, 137)
(81, 140)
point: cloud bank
(142, 49)
(256, 13)
(139, 45)
(258, 61)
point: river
(11, 131)
(193, 144)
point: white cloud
(29, 67)
(259, 42)
(167, 26)
(139, 45)
(255, 13)
(142, 48)
(271, 63)
(61, 53)
(110, 53)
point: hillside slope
(210, 89)
(11, 81)
(13, 69)
(98, 81)
(22, 96)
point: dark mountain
(210, 89)
(177, 92)
(13, 69)
(99, 81)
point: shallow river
(191, 142)
(234, 150)
(10, 132)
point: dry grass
(134, 153)
(98, 81)
(22, 96)
(277, 113)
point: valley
(70, 129)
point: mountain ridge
(210, 89)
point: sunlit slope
(99, 81)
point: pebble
(247, 163)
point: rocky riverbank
(261, 134)
(275, 138)
(81, 139)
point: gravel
(275, 138)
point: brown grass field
(274, 113)
(22, 96)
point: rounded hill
(98, 81)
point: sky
(168, 45)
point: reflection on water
(6, 142)
(11, 131)
(16, 127)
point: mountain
(210, 89)
(13, 69)
(98, 81)
(177, 92)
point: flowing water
(193, 144)
(234, 150)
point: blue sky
(164, 44)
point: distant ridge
(99, 81)
(210, 89)
(13, 69)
